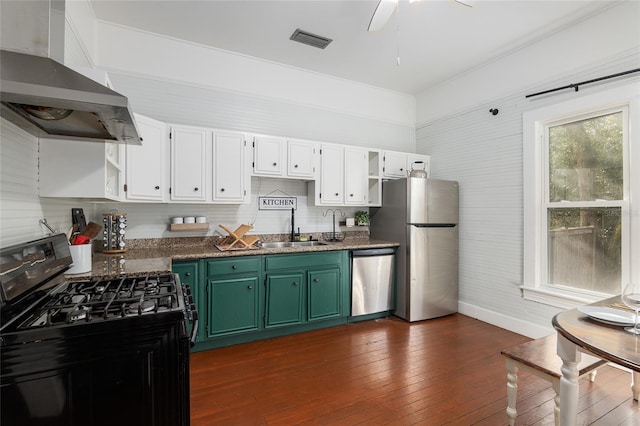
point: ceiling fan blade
(381, 16)
(469, 3)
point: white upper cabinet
(328, 189)
(356, 175)
(77, 169)
(190, 162)
(231, 176)
(349, 176)
(147, 177)
(398, 164)
(395, 164)
(269, 156)
(284, 158)
(301, 159)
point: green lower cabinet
(246, 298)
(233, 306)
(284, 300)
(324, 294)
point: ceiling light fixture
(385, 9)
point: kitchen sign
(277, 203)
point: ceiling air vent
(310, 39)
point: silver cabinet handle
(250, 287)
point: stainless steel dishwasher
(372, 279)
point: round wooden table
(579, 333)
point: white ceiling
(434, 39)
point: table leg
(635, 384)
(568, 404)
(512, 390)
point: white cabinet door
(230, 179)
(78, 169)
(356, 174)
(190, 158)
(395, 164)
(147, 174)
(268, 156)
(331, 175)
(301, 159)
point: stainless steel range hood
(41, 95)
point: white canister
(176, 220)
(189, 219)
(81, 256)
(201, 219)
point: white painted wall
(597, 40)
(484, 152)
(145, 54)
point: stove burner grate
(106, 299)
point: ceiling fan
(385, 9)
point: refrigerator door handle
(433, 225)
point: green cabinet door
(284, 299)
(233, 305)
(323, 294)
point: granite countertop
(156, 258)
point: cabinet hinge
(170, 135)
(169, 190)
(245, 192)
(320, 195)
(320, 151)
(253, 165)
(125, 187)
(253, 144)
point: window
(580, 225)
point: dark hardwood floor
(388, 372)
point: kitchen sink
(285, 244)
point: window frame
(535, 191)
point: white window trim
(534, 121)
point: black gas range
(113, 350)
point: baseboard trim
(515, 325)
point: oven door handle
(194, 329)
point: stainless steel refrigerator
(422, 215)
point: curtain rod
(577, 85)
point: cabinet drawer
(302, 260)
(233, 266)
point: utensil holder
(115, 225)
(81, 257)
